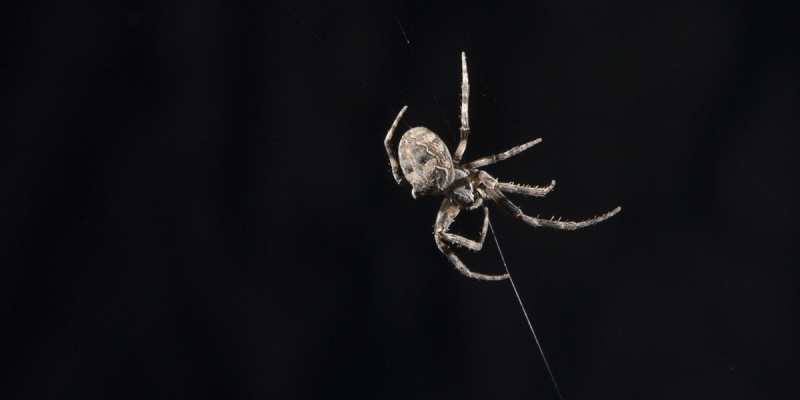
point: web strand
(524, 312)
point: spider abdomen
(425, 161)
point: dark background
(195, 201)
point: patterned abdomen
(425, 161)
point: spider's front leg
(447, 214)
(390, 148)
(491, 159)
(462, 144)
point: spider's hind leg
(474, 245)
(501, 200)
(525, 190)
(491, 182)
(447, 214)
(448, 252)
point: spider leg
(474, 245)
(447, 214)
(491, 182)
(501, 200)
(390, 148)
(488, 160)
(462, 144)
(525, 190)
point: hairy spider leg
(447, 214)
(525, 190)
(501, 200)
(509, 187)
(491, 159)
(390, 148)
(462, 144)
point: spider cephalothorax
(428, 166)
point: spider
(428, 166)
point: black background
(195, 201)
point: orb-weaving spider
(428, 167)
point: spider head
(425, 161)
